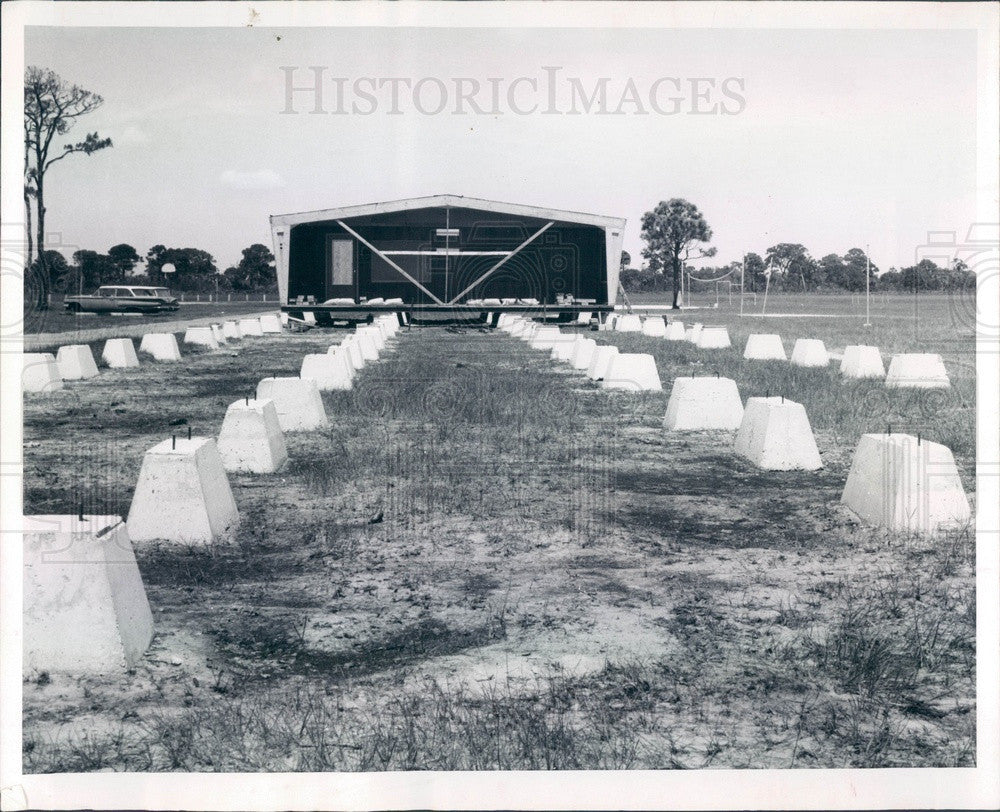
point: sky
(833, 139)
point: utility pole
(767, 286)
(868, 287)
(743, 272)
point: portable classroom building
(443, 251)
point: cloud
(256, 179)
(131, 135)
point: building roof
(456, 201)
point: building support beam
(361, 239)
(496, 267)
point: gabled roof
(457, 201)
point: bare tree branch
(51, 108)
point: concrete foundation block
(297, 403)
(583, 318)
(309, 317)
(231, 330)
(218, 334)
(714, 338)
(531, 330)
(342, 355)
(283, 317)
(250, 328)
(912, 370)
(675, 331)
(119, 353)
(76, 362)
(583, 353)
(85, 606)
(366, 343)
(600, 360)
(809, 352)
(329, 371)
(251, 440)
(775, 435)
(628, 323)
(162, 346)
(520, 327)
(635, 371)
(375, 334)
(545, 338)
(183, 495)
(608, 325)
(693, 333)
(352, 347)
(201, 336)
(564, 348)
(862, 361)
(391, 323)
(654, 326)
(270, 323)
(704, 404)
(40, 372)
(380, 334)
(902, 483)
(764, 347)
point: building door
(340, 280)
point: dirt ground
(487, 562)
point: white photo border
(971, 788)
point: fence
(224, 297)
(205, 298)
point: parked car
(123, 299)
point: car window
(105, 292)
(125, 292)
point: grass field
(58, 320)
(555, 582)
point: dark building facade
(447, 250)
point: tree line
(194, 270)
(834, 272)
(676, 232)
